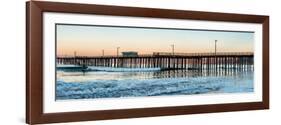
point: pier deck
(199, 61)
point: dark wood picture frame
(34, 61)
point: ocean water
(115, 83)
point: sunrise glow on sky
(94, 40)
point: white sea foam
(113, 69)
(107, 82)
(64, 65)
(149, 87)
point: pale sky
(91, 40)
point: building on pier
(130, 54)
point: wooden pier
(168, 61)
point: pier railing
(204, 54)
(167, 54)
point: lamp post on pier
(173, 54)
(216, 47)
(173, 49)
(117, 54)
(103, 53)
(75, 61)
(74, 53)
(216, 55)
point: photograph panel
(95, 61)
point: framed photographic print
(96, 62)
